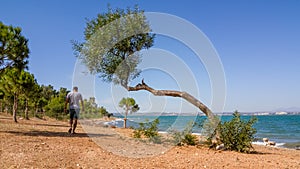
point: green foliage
(128, 104)
(23, 94)
(92, 110)
(237, 134)
(151, 129)
(10, 82)
(103, 111)
(209, 128)
(1, 95)
(30, 91)
(55, 107)
(47, 92)
(190, 139)
(148, 130)
(112, 42)
(184, 137)
(138, 133)
(19, 85)
(14, 50)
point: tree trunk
(173, 93)
(125, 121)
(26, 109)
(15, 107)
(0, 105)
(36, 110)
(125, 118)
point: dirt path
(120, 141)
(46, 144)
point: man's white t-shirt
(74, 98)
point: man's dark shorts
(74, 113)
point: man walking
(73, 99)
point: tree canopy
(112, 43)
(14, 51)
(129, 105)
(16, 84)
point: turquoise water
(280, 128)
(283, 129)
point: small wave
(197, 134)
(107, 123)
(258, 143)
(163, 132)
(280, 144)
(113, 122)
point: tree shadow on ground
(52, 125)
(258, 153)
(56, 134)
(6, 118)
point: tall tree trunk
(15, 107)
(186, 96)
(26, 109)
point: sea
(283, 129)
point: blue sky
(257, 41)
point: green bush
(237, 134)
(56, 104)
(148, 130)
(55, 108)
(137, 133)
(190, 139)
(209, 127)
(184, 137)
(84, 115)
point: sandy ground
(39, 143)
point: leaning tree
(111, 50)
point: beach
(45, 143)
(271, 126)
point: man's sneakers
(70, 131)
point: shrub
(190, 139)
(209, 127)
(184, 137)
(137, 133)
(237, 134)
(148, 130)
(55, 108)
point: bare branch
(173, 93)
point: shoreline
(294, 145)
